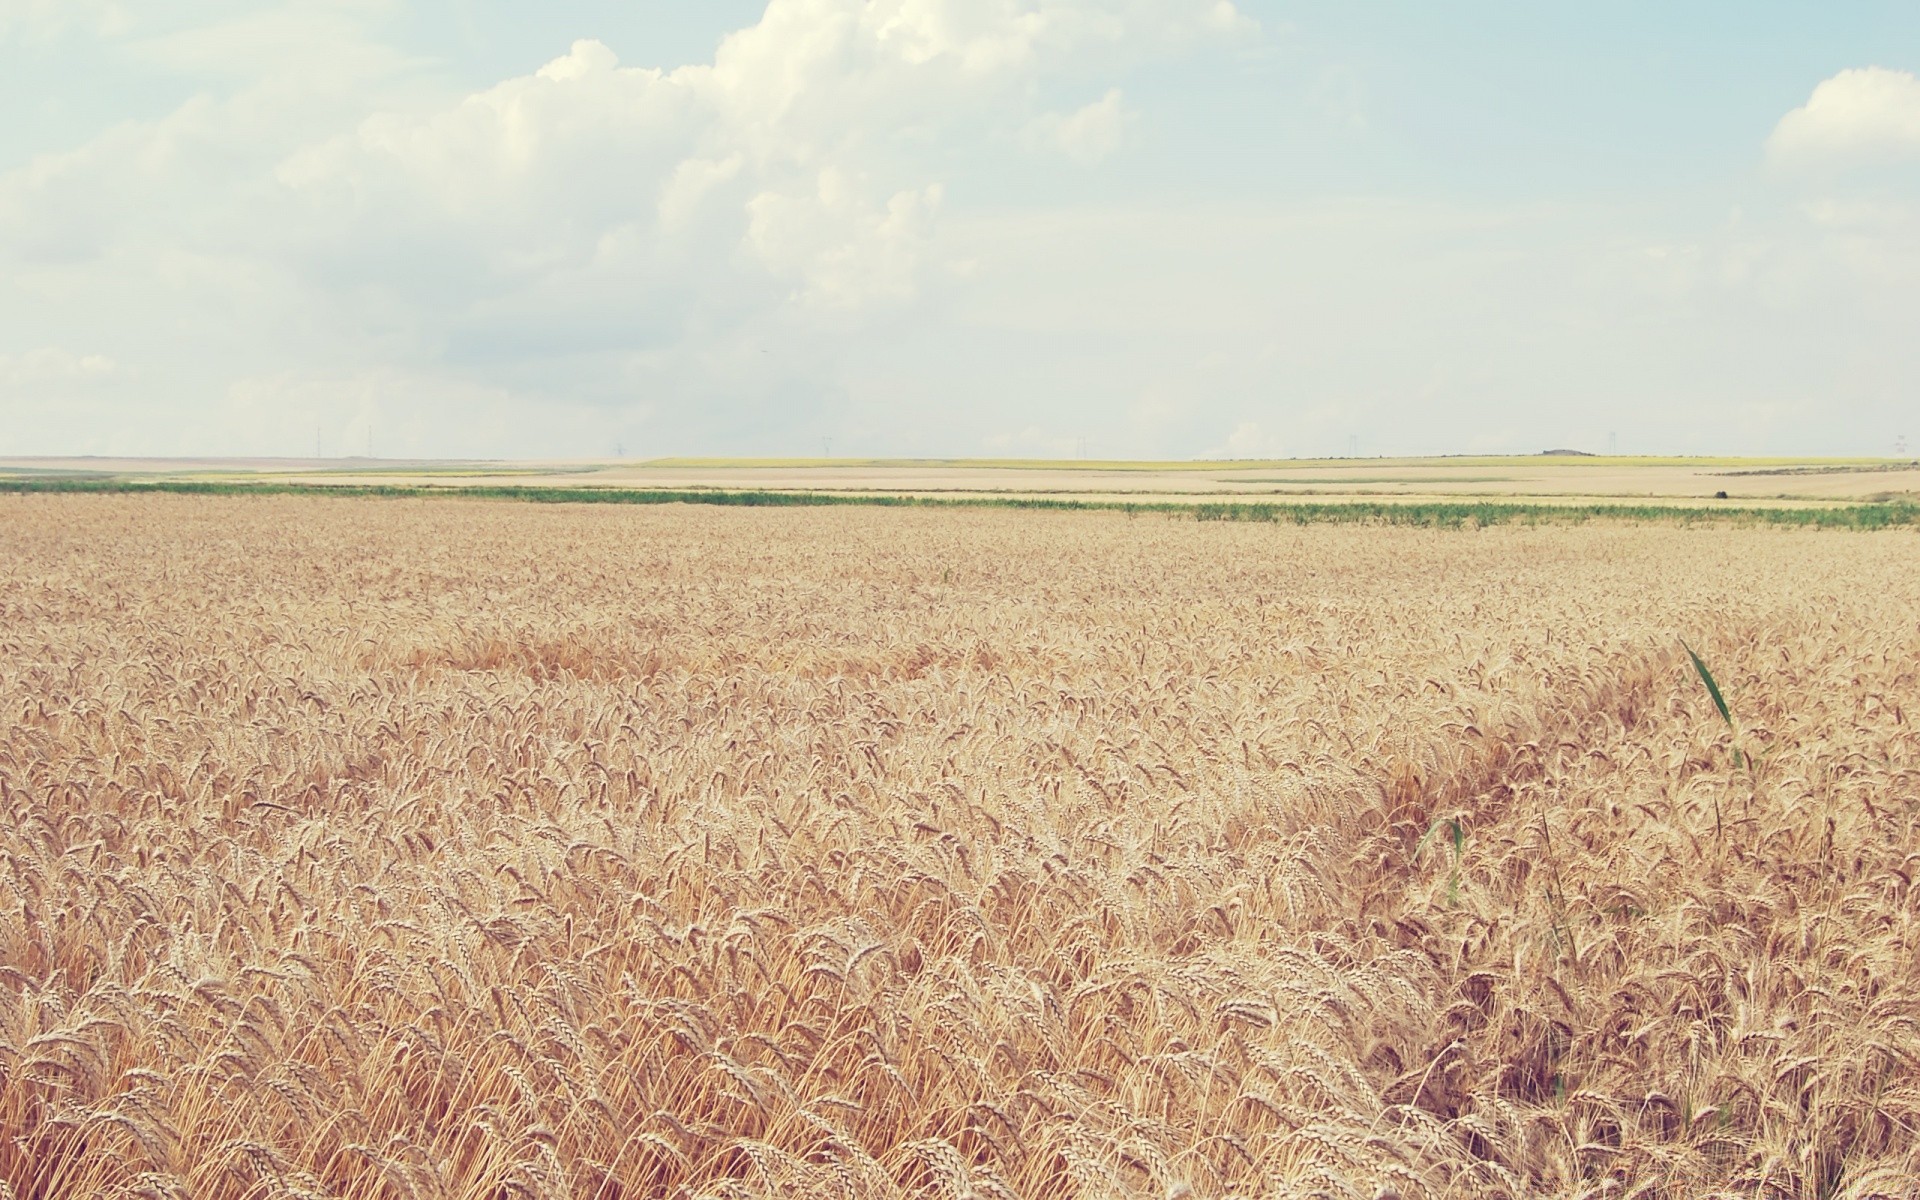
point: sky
(958, 228)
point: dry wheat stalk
(449, 850)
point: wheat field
(451, 850)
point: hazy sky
(1141, 228)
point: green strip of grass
(1428, 514)
(1454, 515)
(1270, 464)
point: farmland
(1529, 480)
(439, 848)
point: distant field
(1533, 479)
(1311, 508)
(472, 850)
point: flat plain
(456, 849)
(1539, 478)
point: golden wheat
(458, 851)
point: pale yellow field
(457, 849)
(1544, 478)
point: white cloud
(314, 46)
(1223, 17)
(689, 186)
(759, 249)
(844, 250)
(54, 365)
(1087, 136)
(39, 20)
(1033, 442)
(1249, 440)
(801, 113)
(543, 159)
(1340, 95)
(318, 219)
(1863, 115)
(399, 412)
(1850, 155)
(788, 48)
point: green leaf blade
(1713, 688)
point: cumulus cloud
(392, 410)
(844, 250)
(322, 221)
(689, 186)
(793, 129)
(38, 20)
(1223, 17)
(54, 365)
(1864, 115)
(1849, 157)
(1033, 442)
(1086, 136)
(1249, 440)
(661, 179)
